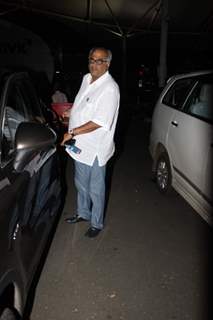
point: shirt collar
(99, 80)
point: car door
(200, 107)
(31, 194)
(189, 141)
(208, 174)
(12, 184)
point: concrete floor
(149, 263)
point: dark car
(30, 189)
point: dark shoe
(92, 232)
(75, 219)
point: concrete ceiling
(94, 22)
(119, 17)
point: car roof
(190, 74)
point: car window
(177, 94)
(14, 113)
(21, 105)
(31, 101)
(200, 103)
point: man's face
(98, 64)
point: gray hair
(107, 51)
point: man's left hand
(67, 136)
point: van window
(200, 103)
(177, 94)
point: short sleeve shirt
(97, 102)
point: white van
(181, 139)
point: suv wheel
(163, 173)
(8, 314)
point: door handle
(174, 123)
(16, 231)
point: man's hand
(67, 136)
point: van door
(189, 143)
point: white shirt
(97, 102)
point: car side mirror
(31, 137)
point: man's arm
(85, 128)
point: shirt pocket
(89, 110)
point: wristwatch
(71, 132)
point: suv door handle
(174, 123)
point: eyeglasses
(97, 61)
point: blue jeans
(90, 185)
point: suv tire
(163, 173)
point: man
(92, 123)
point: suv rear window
(200, 103)
(177, 94)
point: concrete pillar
(162, 70)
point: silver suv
(181, 140)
